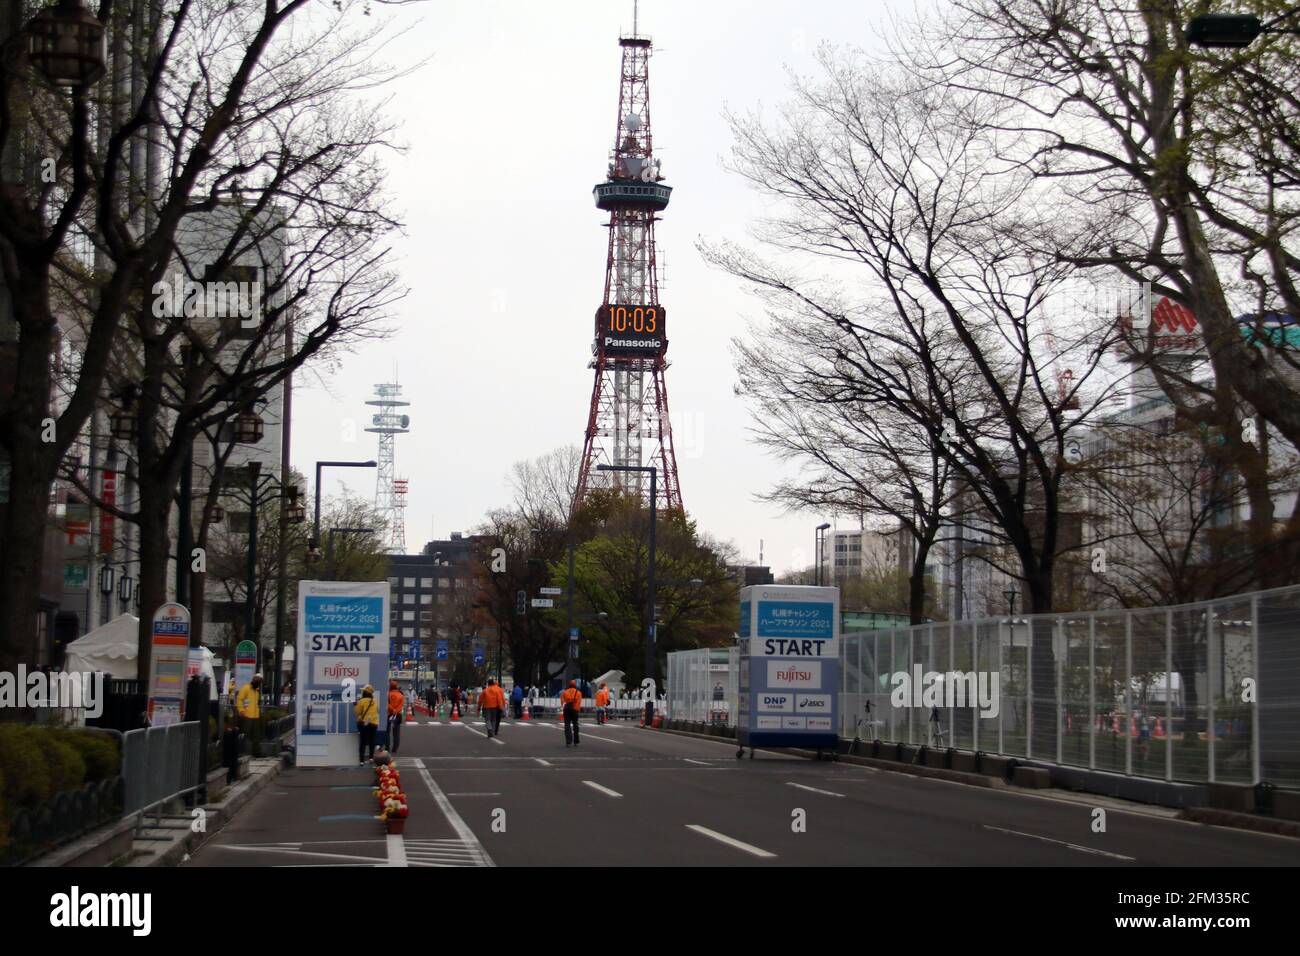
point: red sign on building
(108, 494)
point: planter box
(965, 762)
(1037, 778)
(395, 824)
(995, 766)
(1286, 804)
(1232, 796)
(936, 758)
(886, 751)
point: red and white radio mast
(628, 423)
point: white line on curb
(396, 850)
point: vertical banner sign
(108, 495)
(789, 666)
(168, 663)
(343, 645)
(245, 663)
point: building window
(410, 615)
(410, 583)
(446, 583)
(426, 582)
(427, 616)
(392, 582)
(426, 598)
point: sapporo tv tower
(628, 422)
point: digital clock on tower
(631, 329)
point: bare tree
(875, 170)
(215, 108)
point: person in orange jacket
(396, 715)
(602, 702)
(571, 701)
(493, 701)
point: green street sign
(75, 574)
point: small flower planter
(395, 824)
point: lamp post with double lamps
(818, 544)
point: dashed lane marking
(730, 841)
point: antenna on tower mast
(634, 16)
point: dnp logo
(75, 909)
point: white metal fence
(1206, 692)
(702, 685)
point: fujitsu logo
(793, 674)
(340, 670)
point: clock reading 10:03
(631, 329)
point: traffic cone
(528, 713)
(455, 712)
(1160, 728)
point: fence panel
(160, 763)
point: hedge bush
(100, 752)
(37, 762)
(26, 774)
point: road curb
(1241, 821)
(182, 841)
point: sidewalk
(174, 837)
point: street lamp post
(314, 547)
(818, 545)
(568, 661)
(650, 654)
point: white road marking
(1072, 846)
(412, 723)
(371, 860)
(544, 763)
(829, 793)
(702, 763)
(730, 841)
(608, 740)
(605, 790)
(462, 829)
(494, 793)
(396, 850)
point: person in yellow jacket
(248, 704)
(492, 700)
(367, 710)
(602, 704)
(571, 701)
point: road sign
(573, 633)
(552, 590)
(415, 648)
(521, 599)
(441, 653)
(478, 657)
(543, 602)
(171, 652)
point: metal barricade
(161, 764)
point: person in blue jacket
(517, 701)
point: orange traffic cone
(455, 712)
(1160, 727)
(528, 713)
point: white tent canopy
(113, 648)
(614, 679)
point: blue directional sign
(479, 659)
(415, 648)
(441, 651)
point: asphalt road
(628, 796)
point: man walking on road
(517, 701)
(602, 704)
(493, 701)
(571, 701)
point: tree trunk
(155, 546)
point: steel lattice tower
(628, 422)
(389, 501)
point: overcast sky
(509, 126)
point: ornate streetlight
(66, 45)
